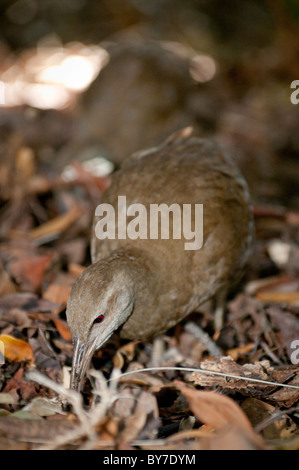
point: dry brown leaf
(28, 270)
(118, 360)
(258, 412)
(232, 439)
(108, 430)
(62, 328)
(224, 415)
(204, 439)
(76, 269)
(285, 396)
(287, 444)
(258, 370)
(26, 301)
(34, 429)
(138, 412)
(16, 350)
(24, 163)
(235, 353)
(214, 409)
(135, 401)
(292, 218)
(133, 425)
(269, 211)
(287, 324)
(268, 283)
(59, 294)
(226, 365)
(56, 226)
(179, 444)
(125, 352)
(279, 297)
(128, 350)
(6, 284)
(6, 399)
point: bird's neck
(138, 273)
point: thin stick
(206, 371)
(204, 338)
(259, 427)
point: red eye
(99, 319)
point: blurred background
(101, 79)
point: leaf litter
(159, 409)
(45, 224)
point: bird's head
(101, 300)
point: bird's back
(184, 171)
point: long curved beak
(82, 356)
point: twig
(204, 338)
(271, 353)
(264, 424)
(212, 372)
(88, 419)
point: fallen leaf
(24, 164)
(35, 428)
(132, 427)
(56, 226)
(226, 365)
(76, 269)
(28, 270)
(26, 301)
(224, 415)
(214, 409)
(269, 283)
(20, 388)
(118, 360)
(279, 297)
(125, 352)
(58, 294)
(108, 429)
(143, 406)
(203, 439)
(258, 411)
(292, 218)
(6, 284)
(16, 349)
(235, 353)
(289, 444)
(6, 399)
(269, 211)
(25, 415)
(287, 324)
(259, 370)
(42, 406)
(62, 328)
(135, 401)
(286, 397)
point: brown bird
(145, 283)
